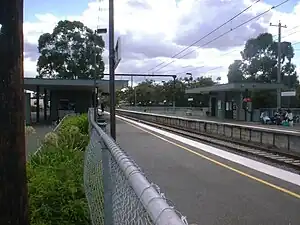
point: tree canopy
(149, 92)
(69, 52)
(259, 64)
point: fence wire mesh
(126, 205)
(93, 182)
(127, 208)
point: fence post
(107, 182)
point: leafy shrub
(55, 176)
(80, 121)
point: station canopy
(234, 87)
(31, 84)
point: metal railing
(283, 139)
(198, 112)
(116, 189)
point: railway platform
(210, 185)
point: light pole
(174, 89)
(97, 31)
(134, 97)
(112, 69)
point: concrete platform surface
(206, 192)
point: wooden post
(13, 187)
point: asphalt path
(205, 192)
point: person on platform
(290, 117)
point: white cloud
(29, 67)
(154, 30)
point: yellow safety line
(220, 164)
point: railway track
(281, 158)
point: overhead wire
(289, 34)
(218, 37)
(298, 42)
(196, 42)
(293, 28)
(215, 68)
(199, 67)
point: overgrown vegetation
(55, 176)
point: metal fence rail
(169, 110)
(117, 191)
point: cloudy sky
(153, 31)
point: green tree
(69, 52)
(125, 95)
(235, 72)
(145, 92)
(150, 93)
(259, 64)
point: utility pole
(174, 93)
(112, 70)
(134, 92)
(13, 184)
(279, 25)
(95, 82)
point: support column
(37, 104)
(53, 106)
(45, 104)
(50, 105)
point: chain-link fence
(116, 189)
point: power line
(196, 42)
(215, 68)
(199, 67)
(290, 34)
(218, 37)
(293, 28)
(295, 43)
(196, 68)
(227, 53)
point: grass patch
(55, 176)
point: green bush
(80, 121)
(55, 176)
